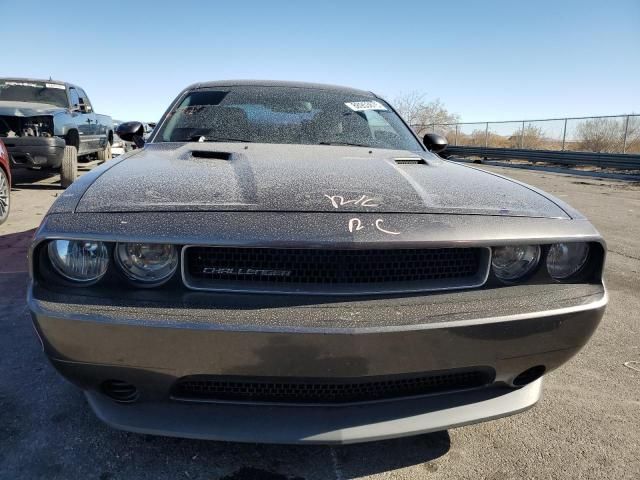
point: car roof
(278, 83)
(41, 80)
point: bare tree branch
(422, 114)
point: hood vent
(211, 155)
(410, 161)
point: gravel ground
(586, 426)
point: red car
(5, 183)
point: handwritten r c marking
(339, 201)
(379, 222)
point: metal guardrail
(607, 134)
(611, 160)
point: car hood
(27, 109)
(304, 178)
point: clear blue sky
(485, 60)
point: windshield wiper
(204, 138)
(348, 144)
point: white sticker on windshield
(362, 106)
(54, 85)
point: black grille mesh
(331, 267)
(240, 389)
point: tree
(532, 138)
(601, 135)
(476, 138)
(422, 114)
(633, 135)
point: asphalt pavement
(586, 426)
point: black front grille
(331, 267)
(326, 391)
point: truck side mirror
(83, 106)
(131, 132)
(435, 143)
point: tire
(69, 168)
(104, 155)
(5, 196)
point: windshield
(34, 92)
(286, 115)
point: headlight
(147, 263)
(82, 261)
(566, 259)
(514, 261)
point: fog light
(120, 391)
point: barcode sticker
(362, 106)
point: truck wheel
(5, 196)
(69, 169)
(104, 155)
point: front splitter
(294, 424)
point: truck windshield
(286, 115)
(33, 92)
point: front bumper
(151, 346)
(35, 152)
(316, 424)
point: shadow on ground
(13, 251)
(35, 186)
(24, 179)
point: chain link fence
(607, 134)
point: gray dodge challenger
(288, 263)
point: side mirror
(435, 143)
(81, 108)
(131, 132)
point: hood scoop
(210, 154)
(410, 161)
